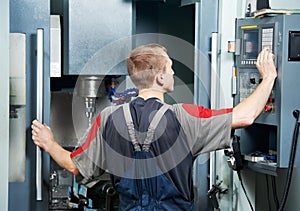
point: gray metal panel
(26, 16)
(269, 118)
(289, 73)
(17, 92)
(91, 25)
(17, 146)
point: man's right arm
(43, 137)
(248, 110)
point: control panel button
(269, 108)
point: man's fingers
(34, 132)
(37, 123)
(264, 56)
(36, 126)
(259, 58)
(35, 129)
(269, 54)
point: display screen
(250, 44)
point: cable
(236, 162)
(296, 114)
(240, 178)
(268, 192)
(275, 192)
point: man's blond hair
(144, 62)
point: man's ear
(160, 79)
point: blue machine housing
(27, 16)
(273, 130)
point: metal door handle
(39, 106)
(213, 99)
(214, 66)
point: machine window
(294, 46)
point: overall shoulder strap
(150, 132)
(153, 125)
(130, 126)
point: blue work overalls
(148, 193)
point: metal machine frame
(273, 129)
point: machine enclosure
(273, 130)
(92, 32)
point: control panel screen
(250, 44)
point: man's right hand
(248, 110)
(265, 64)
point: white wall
(4, 107)
(284, 4)
(229, 10)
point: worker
(148, 146)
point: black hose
(240, 178)
(296, 114)
(268, 192)
(275, 192)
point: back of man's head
(144, 62)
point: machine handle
(39, 106)
(214, 66)
(213, 99)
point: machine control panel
(272, 131)
(252, 36)
(252, 39)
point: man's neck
(150, 93)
